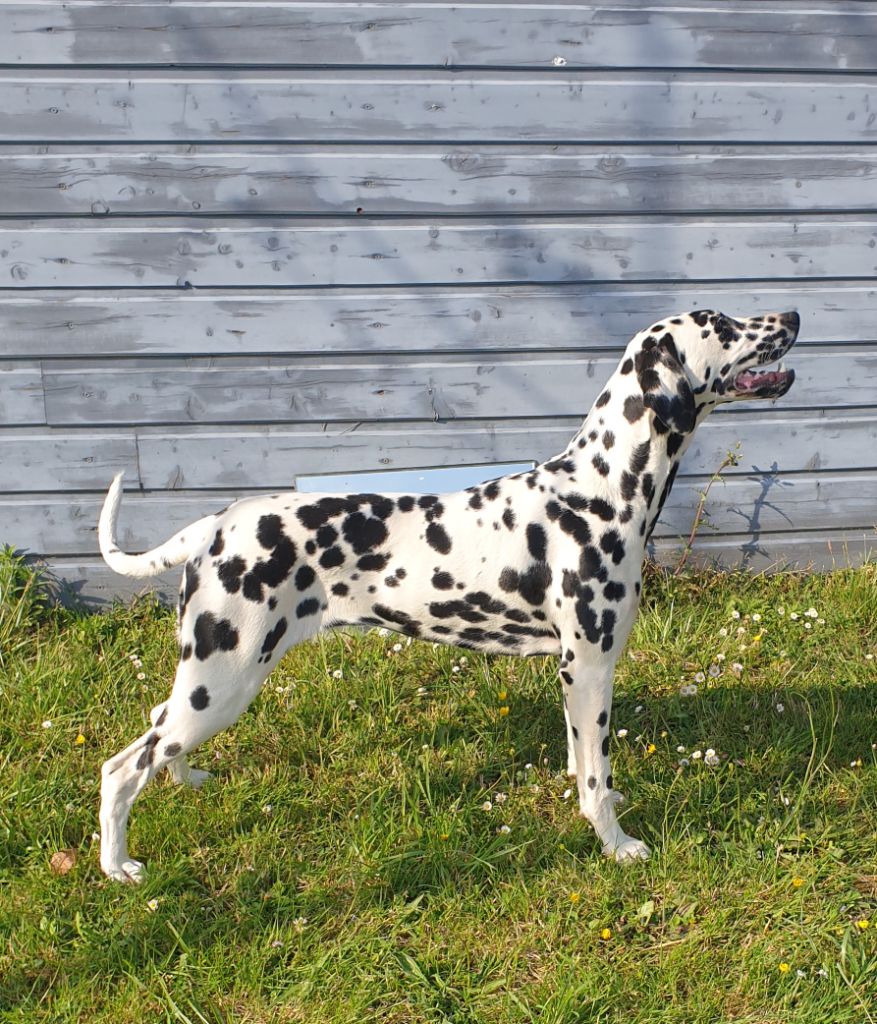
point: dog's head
(688, 364)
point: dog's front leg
(588, 703)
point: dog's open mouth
(764, 383)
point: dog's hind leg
(209, 695)
(179, 768)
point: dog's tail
(153, 562)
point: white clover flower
(720, 657)
(351, 704)
(680, 749)
(504, 829)
(621, 733)
(267, 809)
(781, 610)
(396, 648)
(152, 904)
(781, 708)
(137, 663)
(711, 758)
(808, 625)
(337, 674)
(141, 676)
(822, 972)
(756, 617)
(455, 669)
(699, 677)
(794, 615)
(735, 614)
(421, 690)
(500, 798)
(47, 724)
(820, 622)
(487, 806)
(741, 630)
(383, 631)
(811, 613)
(464, 660)
(869, 657)
(745, 728)
(566, 794)
(786, 801)
(736, 668)
(638, 709)
(684, 762)
(688, 691)
(714, 671)
(723, 631)
(528, 766)
(696, 755)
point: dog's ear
(665, 386)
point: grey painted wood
(85, 579)
(334, 181)
(330, 106)
(270, 457)
(67, 524)
(157, 253)
(684, 34)
(21, 395)
(589, 317)
(273, 389)
(54, 461)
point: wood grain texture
(90, 581)
(21, 395)
(792, 35)
(587, 317)
(328, 106)
(423, 180)
(67, 525)
(116, 254)
(274, 389)
(270, 457)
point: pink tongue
(749, 380)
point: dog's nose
(791, 320)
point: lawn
(390, 834)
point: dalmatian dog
(542, 562)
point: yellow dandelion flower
(80, 739)
(757, 638)
(797, 882)
(838, 930)
(650, 749)
(606, 934)
(444, 836)
(574, 897)
(863, 925)
(502, 695)
(785, 968)
(503, 711)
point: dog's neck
(631, 455)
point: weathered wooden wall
(242, 241)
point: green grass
(341, 867)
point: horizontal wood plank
(271, 457)
(326, 106)
(67, 525)
(272, 389)
(117, 254)
(610, 33)
(21, 395)
(424, 180)
(86, 580)
(265, 322)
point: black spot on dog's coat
(212, 635)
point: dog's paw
(196, 778)
(131, 872)
(628, 850)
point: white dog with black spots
(542, 562)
